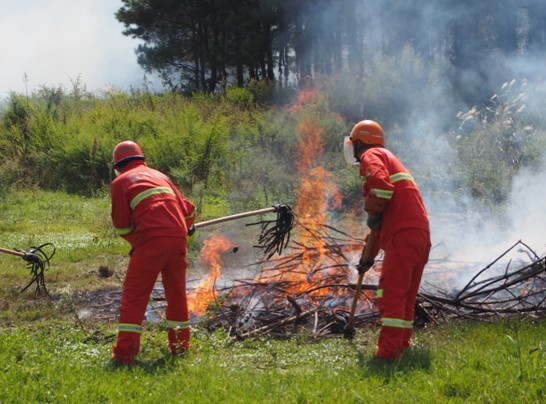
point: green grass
(49, 354)
(61, 361)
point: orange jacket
(386, 178)
(146, 204)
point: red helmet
(369, 132)
(125, 152)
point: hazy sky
(55, 42)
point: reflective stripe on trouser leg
(128, 343)
(396, 323)
(405, 256)
(179, 336)
(174, 283)
(130, 328)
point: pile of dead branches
(495, 290)
(310, 290)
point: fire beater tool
(38, 262)
(275, 234)
(366, 262)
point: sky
(58, 42)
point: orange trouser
(403, 263)
(159, 255)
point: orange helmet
(125, 152)
(369, 132)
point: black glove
(374, 221)
(191, 230)
(364, 266)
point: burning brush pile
(309, 289)
(310, 285)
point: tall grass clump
(495, 142)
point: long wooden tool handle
(365, 257)
(12, 252)
(236, 216)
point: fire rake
(275, 234)
(38, 262)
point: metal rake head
(38, 262)
(275, 234)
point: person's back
(386, 177)
(147, 202)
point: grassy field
(59, 361)
(49, 354)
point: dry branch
(315, 278)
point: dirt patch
(98, 306)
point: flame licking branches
(317, 186)
(210, 257)
(312, 273)
(317, 193)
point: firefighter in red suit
(397, 214)
(151, 214)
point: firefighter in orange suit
(397, 214)
(152, 215)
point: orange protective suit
(405, 238)
(152, 215)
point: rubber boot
(126, 348)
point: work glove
(374, 221)
(364, 266)
(191, 230)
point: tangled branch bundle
(275, 234)
(38, 262)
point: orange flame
(317, 192)
(307, 98)
(210, 257)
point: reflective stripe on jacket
(146, 204)
(386, 177)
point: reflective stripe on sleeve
(130, 328)
(396, 323)
(387, 194)
(400, 177)
(178, 324)
(191, 215)
(125, 231)
(149, 192)
(381, 193)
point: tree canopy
(206, 45)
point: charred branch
(314, 280)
